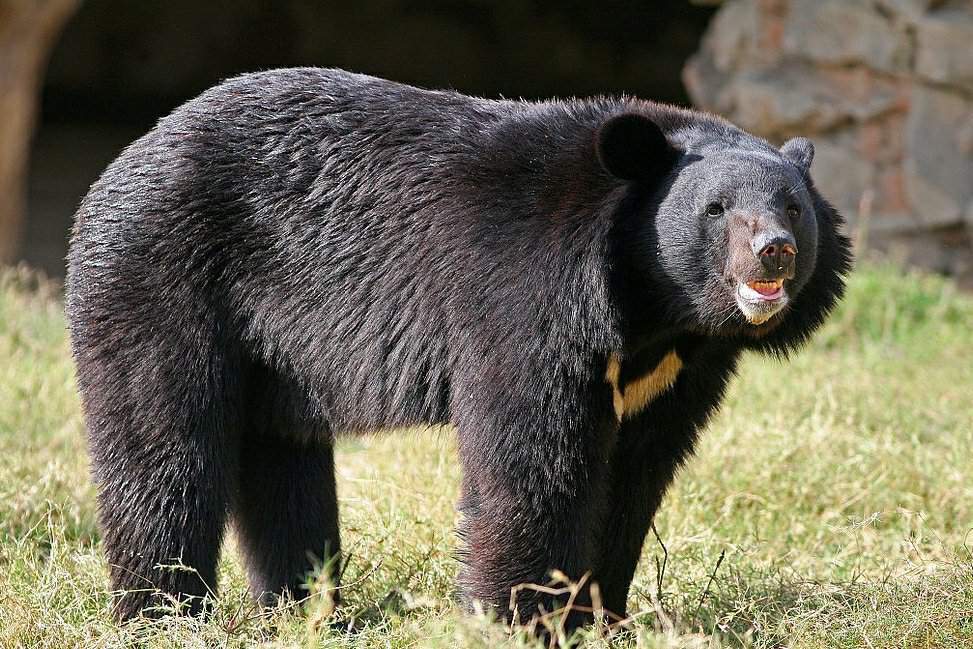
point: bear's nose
(776, 253)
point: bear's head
(724, 234)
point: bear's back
(322, 216)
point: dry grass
(838, 488)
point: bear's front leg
(534, 490)
(650, 447)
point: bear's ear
(633, 147)
(800, 151)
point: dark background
(120, 65)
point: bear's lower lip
(761, 302)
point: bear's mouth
(759, 300)
(763, 289)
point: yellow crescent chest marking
(633, 397)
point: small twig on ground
(709, 583)
(660, 570)
(660, 574)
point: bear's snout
(777, 252)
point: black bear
(300, 253)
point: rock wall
(885, 90)
(128, 61)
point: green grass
(839, 485)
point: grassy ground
(838, 488)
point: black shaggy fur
(306, 252)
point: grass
(837, 488)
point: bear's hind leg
(163, 458)
(286, 512)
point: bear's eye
(714, 209)
(793, 211)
